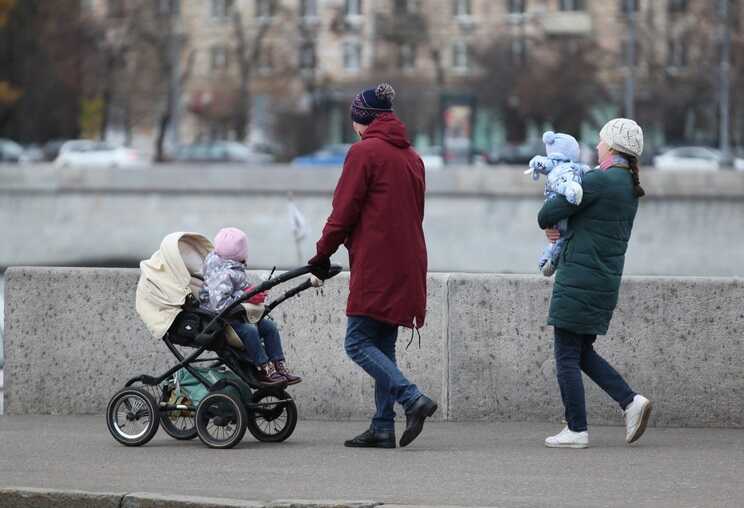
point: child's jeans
(574, 353)
(251, 336)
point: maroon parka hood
(388, 127)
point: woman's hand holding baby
(553, 234)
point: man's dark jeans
(575, 353)
(371, 345)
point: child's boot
(268, 376)
(281, 368)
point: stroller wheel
(275, 418)
(132, 416)
(221, 420)
(178, 424)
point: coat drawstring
(416, 330)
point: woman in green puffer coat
(588, 279)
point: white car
(432, 158)
(10, 151)
(689, 158)
(87, 153)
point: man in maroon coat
(378, 211)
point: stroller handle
(281, 279)
(268, 284)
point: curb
(22, 497)
(26, 497)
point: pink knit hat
(231, 243)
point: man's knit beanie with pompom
(370, 103)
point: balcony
(570, 23)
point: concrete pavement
(466, 464)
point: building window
(115, 8)
(309, 8)
(221, 9)
(463, 8)
(218, 58)
(352, 56)
(677, 6)
(265, 9)
(571, 5)
(403, 7)
(307, 56)
(677, 54)
(460, 56)
(265, 60)
(407, 57)
(627, 5)
(516, 6)
(518, 52)
(353, 8)
(170, 7)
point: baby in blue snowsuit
(564, 173)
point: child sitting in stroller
(225, 280)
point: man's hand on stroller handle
(320, 266)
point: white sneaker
(568, 439)
(636, 418)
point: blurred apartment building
(300, 61)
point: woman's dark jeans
(574, 353)
(371, 345)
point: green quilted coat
(591, 265)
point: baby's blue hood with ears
(561, 146)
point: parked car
(689, 158)
(432, 158)
(51, 149)
(87, 153)
(329, 155)
(32, 153)
(10, 151)
(739, 160)
(222, 151)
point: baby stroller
(216, 403)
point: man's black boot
(420, 411)
(370, 439)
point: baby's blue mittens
(573, 192)
(540, 165)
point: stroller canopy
(166, 279)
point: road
(467, 464)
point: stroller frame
(212, 337)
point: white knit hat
(623, 135)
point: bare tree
(41, 54)
(249, 52)
(404, 35)
(558, 84)
(147, 34)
